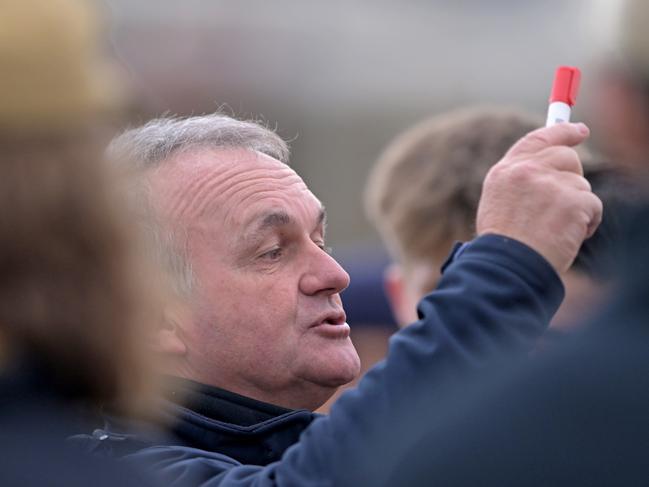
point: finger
(576, 181)
(595, 209)
(569, 134)
(561, 158)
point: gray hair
(157, 140)
(152, 144)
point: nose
(324, 275)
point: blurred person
(594, 276)
(577, 414)
(75, 290)
(620, 95)
(423, 194)
(263, 339)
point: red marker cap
(566, 85)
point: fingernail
(582, 128)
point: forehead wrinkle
(186, 196)
(243, 196)
(185, 176)
(253, 197)
(281, 214)
(201, 170)
(229, 189)
(194, 202)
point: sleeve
(494, 300)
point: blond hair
(424, 190)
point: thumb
(568, 134)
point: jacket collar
(250, 431)
(220, 404)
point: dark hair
(620, 197)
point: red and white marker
(564, 94)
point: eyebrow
(276, 219)
(322, 217)
(273, 220)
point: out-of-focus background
(340, 79)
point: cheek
(262, 323)
(275, 304)
(263, 305)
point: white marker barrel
(558, 112)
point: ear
(404, 308)
(168, 338)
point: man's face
(268, 319)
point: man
(252, 237)
(263, 339)
(423, 194)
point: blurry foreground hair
(76, 290)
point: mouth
(332, 325)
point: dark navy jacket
(495, 299)
(576, 415)
(36, 415)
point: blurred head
(423, 193)
(619, 107)
(75, 290)
(55, 74)
(246, 240)
(594, 274)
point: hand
(537, 195)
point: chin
(335, 368)
(325, 372)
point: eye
(273, 254)
(324, 247)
